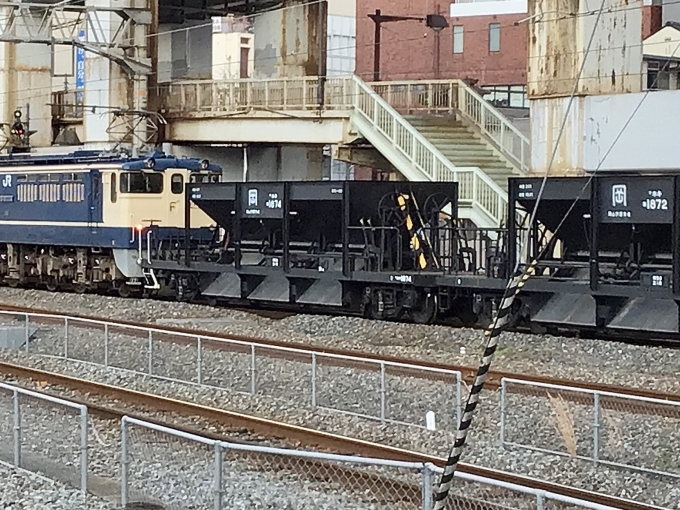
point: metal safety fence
(44, 434)
(177, 470)
(392, 393)
(636, 433)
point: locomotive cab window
(177, 184)
(204, 178)
(141, 182)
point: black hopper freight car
(613, 265)
(607, 248)
(362, 247)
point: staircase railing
(449, 96)
(510, 140)
(476, 189)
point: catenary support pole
(492, 333)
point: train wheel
(186, 289)
(124, 290)
(80, 288)
(12, 282)
(373, 305)
(51, 284)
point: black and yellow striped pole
(501, 320)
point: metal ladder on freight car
(420, 241)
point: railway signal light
(19, 134)
(17, 128)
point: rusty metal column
(153, 102)
(322, 35)
(140, 82)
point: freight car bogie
(400, 303)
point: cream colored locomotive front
(143, 198)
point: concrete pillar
(164, 64)
(291, 42)
(558, 40)
(107, 86)
(187, 50)
(265, 162)
(25, 78)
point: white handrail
(476, 187)
(417, 157)
(510, 140)
(457, 96)
(301, 93)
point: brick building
(482, 42)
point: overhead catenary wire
(513, 288)
(260, 59)
(515, 284)
(370, 44)
(611, 148)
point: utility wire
(501, 320)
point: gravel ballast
(167, 470)
(483, 448)
(609, 362)
(22, 490)
(568, 358)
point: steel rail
(468, 373)
(300, 435)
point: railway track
(281, 431)
(468, 373)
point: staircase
(464, 147)
(444, 131)
(438, 130)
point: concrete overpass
(397, 125)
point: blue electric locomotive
(81, 220)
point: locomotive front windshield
(205, 178)
(141, 182)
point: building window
(495, 37)
(662, 75)
(458, 39)
(509, 96)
